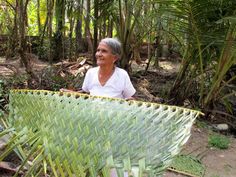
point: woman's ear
(115, 59)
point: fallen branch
(11, 67)
(181, 172)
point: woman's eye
(102, 51)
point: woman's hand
(65, 90)
(130, 98)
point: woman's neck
(106, 70)
(104, 74)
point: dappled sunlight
(170, 66)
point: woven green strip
(82, 133)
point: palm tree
(208, 30)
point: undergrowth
(218, 141)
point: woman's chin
(100, 63)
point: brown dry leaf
(9, 167)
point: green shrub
(219, 141)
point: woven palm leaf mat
(86, 135)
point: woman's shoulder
(92, 70)
(121, 71)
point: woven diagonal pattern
(94, 132)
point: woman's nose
(98, 53)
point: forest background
(199, 35)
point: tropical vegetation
(200, 33)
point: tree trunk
(78, 29)
(43, 33)
(104, 27)
(136, 53)
(50, 5)
(13, 38)
(72, 22)
(78, 33)
(60, 17)
(22, 10)
(110, 28)
(95, 40)
(38, 17)
(88, 35)
(157, 50)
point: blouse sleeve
(129, 89)
(85, 86)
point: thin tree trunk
(60, 17)
(38, 17)
(78, 33)
(104, 27)
(95, 40)
(13, 42)
(22, 10)
(72, 21)
(110, 28)
(136, 53)
(88, 35)
(78, 29)
(43, 32)
(100, 31)
(158, 46)
(50, 10)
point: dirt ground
(218, 163)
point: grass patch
(215, 176)
(218, 141)
(188, 164)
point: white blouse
(117, 86)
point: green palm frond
(79, 135)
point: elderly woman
(107, 79)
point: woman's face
(104, 55)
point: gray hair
(114, 44)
